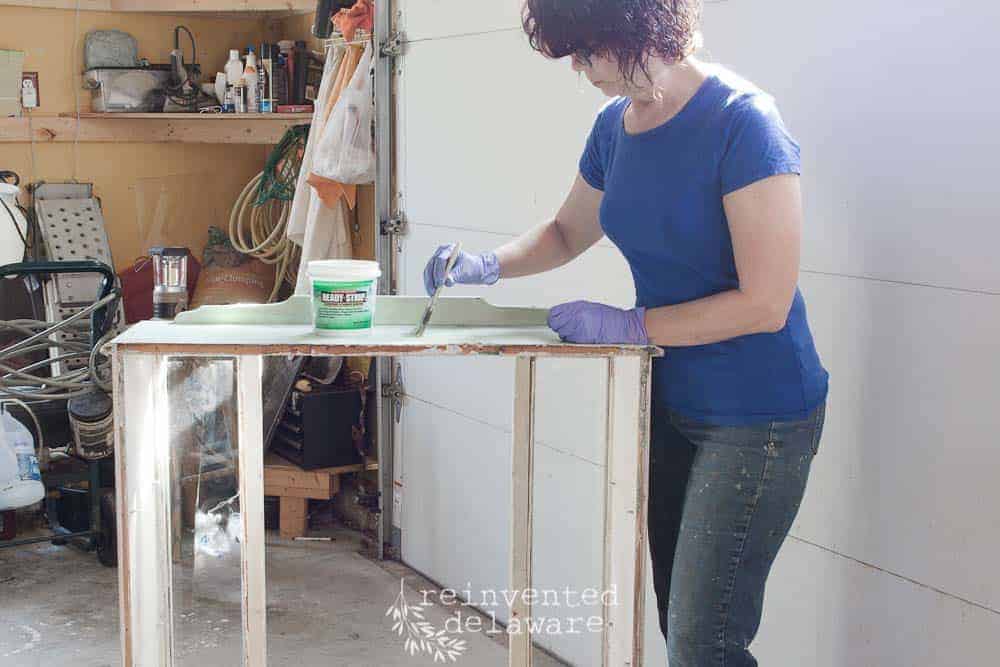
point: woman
(690, 171)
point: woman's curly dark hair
(631, 31)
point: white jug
(20, 481)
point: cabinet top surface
(296, 339)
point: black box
(317, 428)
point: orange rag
(359, 17)
(330, 191)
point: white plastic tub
(343, 295)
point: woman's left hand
(597, 324)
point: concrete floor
(326, 606)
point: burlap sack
(228, 276)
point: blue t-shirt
(662, 207)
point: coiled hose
(258, 223)
(39, 336)
(259, 231)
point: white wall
(891, 560)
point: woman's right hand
(469, 269)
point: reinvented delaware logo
(553, 612)
(419, 634)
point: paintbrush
(437, 293)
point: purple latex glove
(469, 269)
(595, 323)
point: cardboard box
(11, 66)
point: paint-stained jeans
(721, 501)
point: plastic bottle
(234, 74)
(264, 90)
(240, 96)
(279, 81)
(287, 48)
(20, 480)
(300, 68)
(234, 68)
(250, 80)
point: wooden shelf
(152, 128)
(171, 6)
(297, 117)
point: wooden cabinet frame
(144, 443)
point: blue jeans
(721, 501)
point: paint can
(343, 295)
(91, 418)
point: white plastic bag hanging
(346, 151)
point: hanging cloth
(298, 218)
(328, 237)
(322, 232)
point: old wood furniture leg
(627, 462)
(142, 476)
(250, 425)
(522, 460)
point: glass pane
(568, 498)
(144, 462)
(205, 512)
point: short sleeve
(759, 145)
(592, 161)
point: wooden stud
(627, 461)
(250, 426)
(522, 474)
